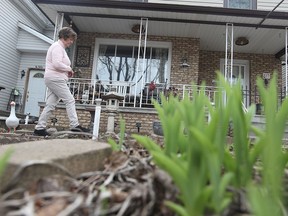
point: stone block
(31, 161)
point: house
(170, 43)
(26, 35)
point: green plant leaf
(4, 159)
(176, 171)
(114, 145)
(177, 208)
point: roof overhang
(265, 31)
(35, 33)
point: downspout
(260, 23)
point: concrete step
(31, 161)
(260, 122)
(28, 127)
(10, 138)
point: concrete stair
(259, 122)
(31, 161)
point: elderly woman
(57, 71)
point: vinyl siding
(270, 4)
(49, 33)
(30, 43)
(10, 57)
(261, 4)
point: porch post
(228, 70)
(141, 45)
(144, 68)
(58, 25)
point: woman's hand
(70, 74)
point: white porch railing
(86, 91)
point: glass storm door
(240, 73)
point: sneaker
(79, 128)
(41, 132)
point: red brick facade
(203, 67)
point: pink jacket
(57, 62)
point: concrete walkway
(33, 160)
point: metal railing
(86, 91)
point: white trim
(246, 84)
(35, 33)
(109, 41)
(239, 62)
(32, 11)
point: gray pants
(57, 89)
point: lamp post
(112, 105)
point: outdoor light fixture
(241, 41)
(22, 73)
(138, 125)
(136, 28)
(54, 120)
(184, 63)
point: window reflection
(119, 63)
(241, 4)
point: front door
(35, 92)
(240, 73)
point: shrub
(196, 156)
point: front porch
(86, 91)
(137, 108)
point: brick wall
(209, 63)
(131, 115)
(62, 119)
(185, 48)
(146, 119)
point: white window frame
(253, 4)
(123, 42)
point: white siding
(9, 56)
(27, 43)
(261, 4)
(49, 33)
(270, 4)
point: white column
(96, 123)
(141, 52)
(229, 49)
(58, 25)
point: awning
(266, 35)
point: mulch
(130, 184)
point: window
(241, 4)
(134, 0)
(118, 62)
(39, 75)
